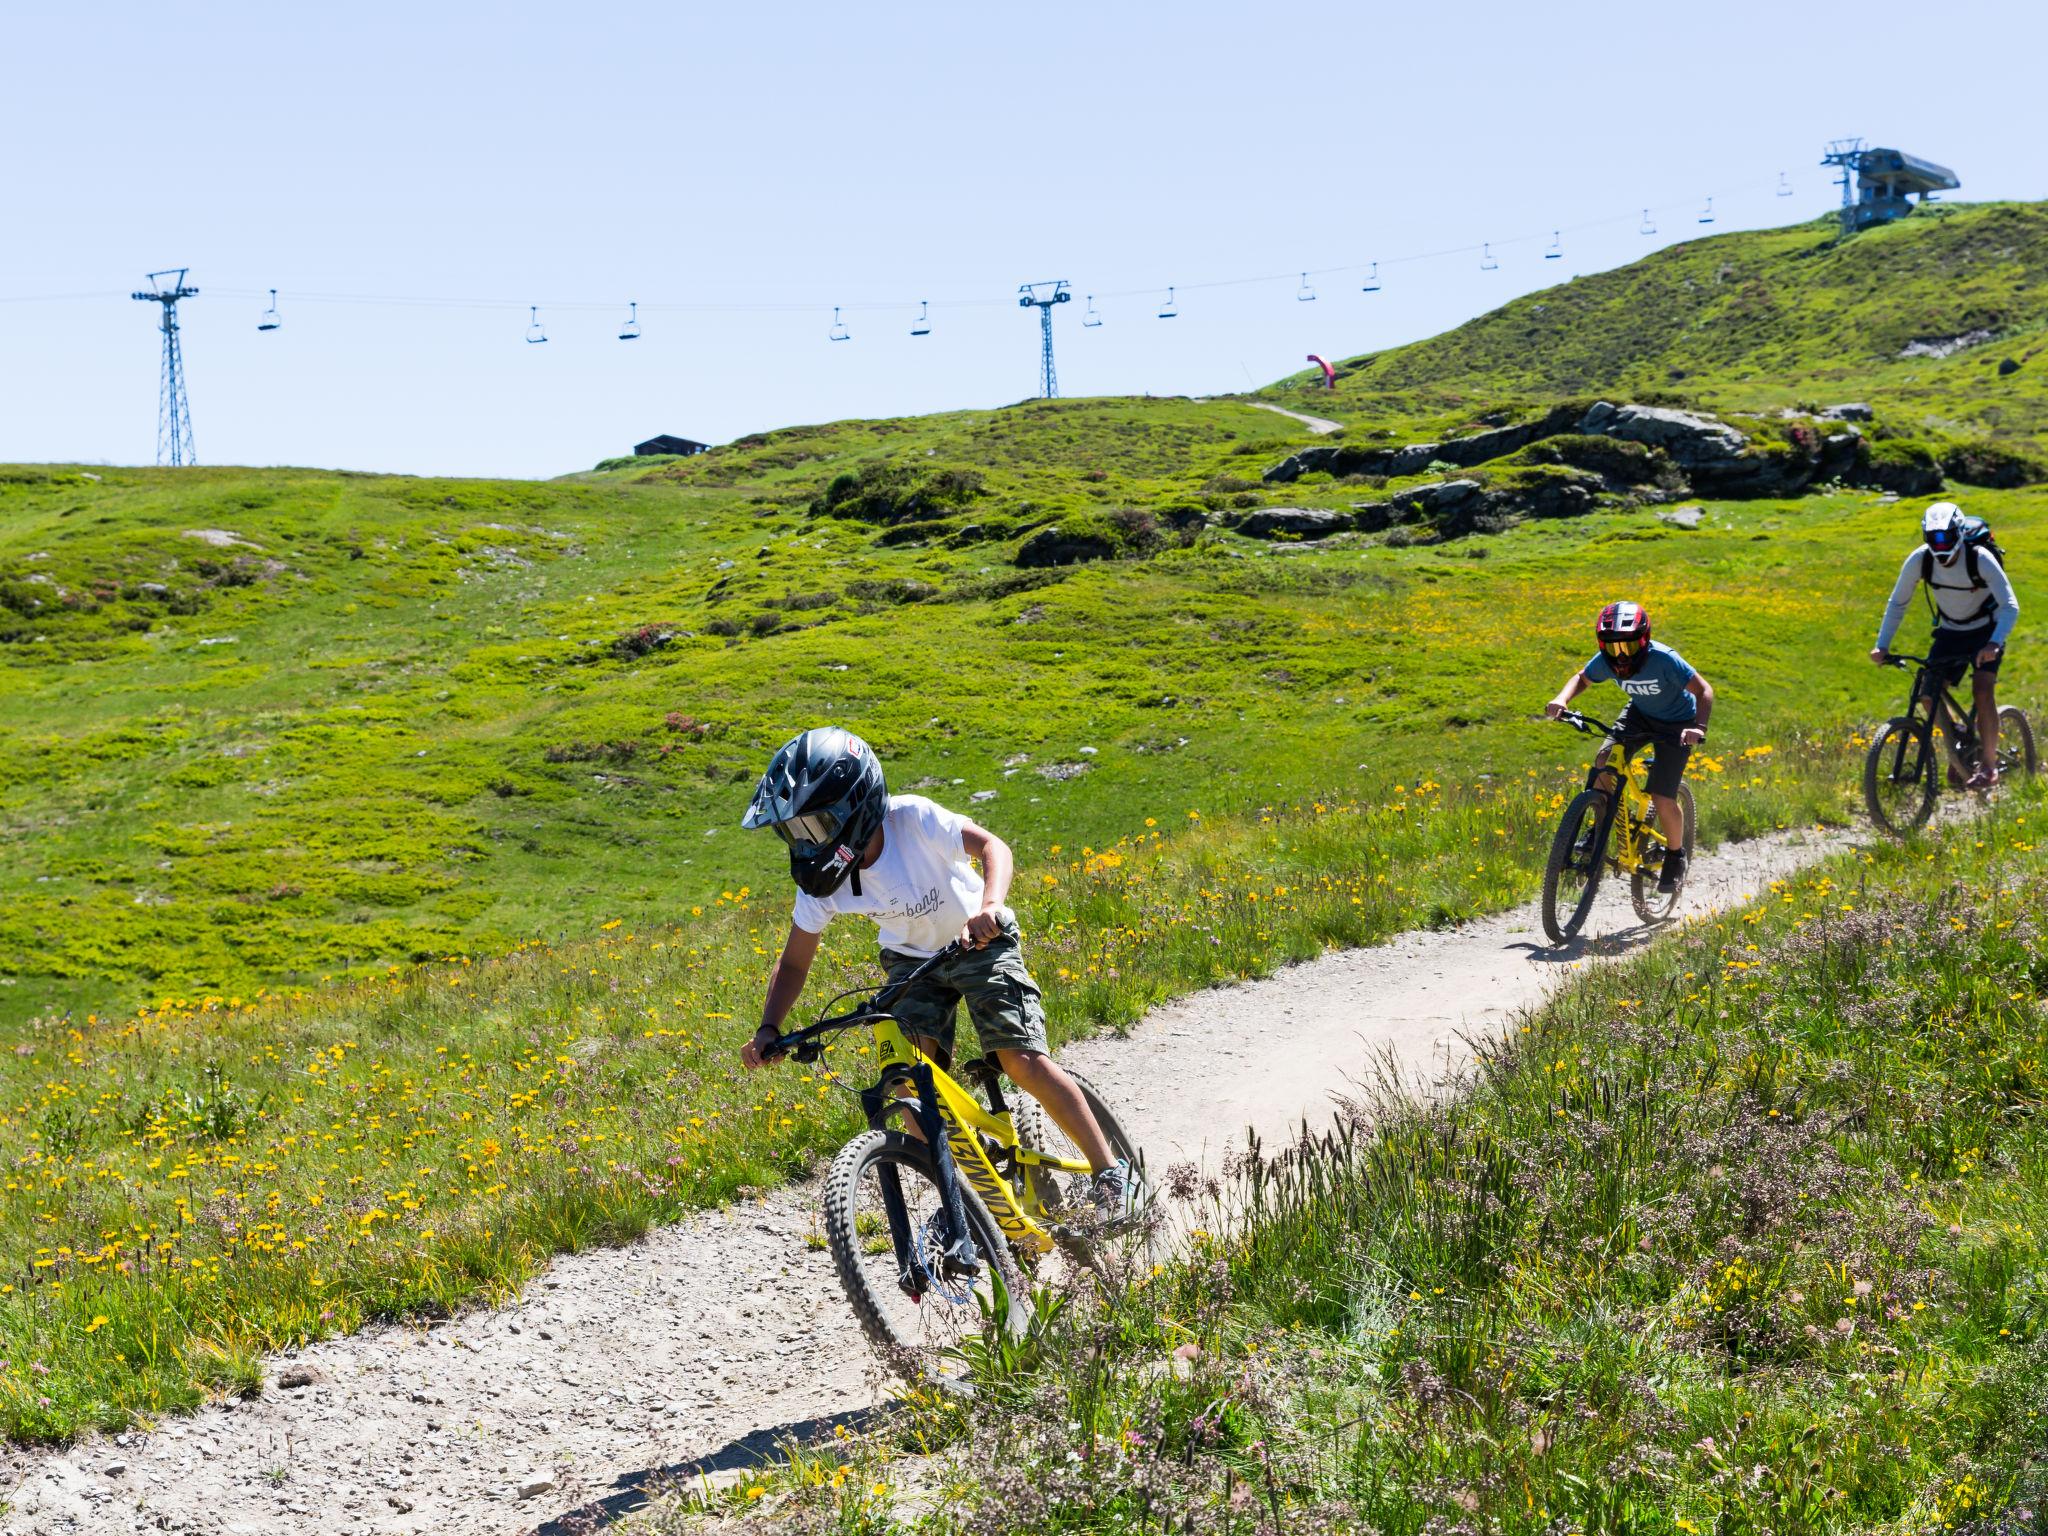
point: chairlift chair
(269, 320)
(1707, 213)
(1372, 280)
(839, 332)
(1486, 261)
(1091, 319)
(1784, 186)
(534, 334)
(1305, 294)
(922, 325)
(1556, 251)
(1169, 309)
(1649, 224)
(630, 331)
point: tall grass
(1742, 1236)
(211, 1178)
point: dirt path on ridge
(692, 1349)
(1316, 424)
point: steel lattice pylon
(1043, 296)
(173, 408)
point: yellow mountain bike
(1580, 852)
(932, 1228)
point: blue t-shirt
(1658, 688)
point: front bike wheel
(1055, 1196)
(915, 1333)
(1900, 775)
(1653, 905)
(2016, 742)
(1573, 873)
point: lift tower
(1043, 296)
(173, 409)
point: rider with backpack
(1971, 600)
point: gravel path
(692, 1348)
(1316, 424)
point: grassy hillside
(266, 729)
(1758, 320)
(398, 719)
(1743, 1236)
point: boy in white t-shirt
(855, 849)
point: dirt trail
(1316, 424)
(691, 1349)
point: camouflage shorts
(1001, 997)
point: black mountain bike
(1614, 796)
(1902, 774)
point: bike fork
(958, 1251)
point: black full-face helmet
(824, 795)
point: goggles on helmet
(1634, 647)
(1942, 540)
(811, 830)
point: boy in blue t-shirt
(1668, 705)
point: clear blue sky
(807, 155)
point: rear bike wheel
(1573, 873)
(915, 1333)
(1653, 905)
(2016, 742)
(1900, 775)
(1058, 1196)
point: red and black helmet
(1623, 630)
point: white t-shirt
(920, 892)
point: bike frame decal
(964, 1119)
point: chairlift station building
(665, 443)
(1886, 182)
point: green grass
(1753, 321)
(272, 799)
(431, 735)
(1743, 1235)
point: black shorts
(1635, 730)
(1952, 652)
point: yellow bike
(1579, 853)
(933, 1230)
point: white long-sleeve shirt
(1957, 604)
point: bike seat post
(988, 1077)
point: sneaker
(1983, 778)
(1112, 1191)
(1674, 870)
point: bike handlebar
(1900, 658)
(1584, 724)
(806, 1043)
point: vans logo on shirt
(1648, 687)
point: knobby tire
(1652, 905)
(1901, 775)
(1564, 907)
(912, 1337)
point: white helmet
(1942, 527)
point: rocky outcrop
(1415, 458)
(1455, 508)
(1294, 523)
(1061, 545)
(1852, 411)
(1691, 441)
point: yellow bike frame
(1637, 814)
(966, 1123)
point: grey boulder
(1692, 441)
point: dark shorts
(1635, 731)
(1952, 652)
(1001, 997)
